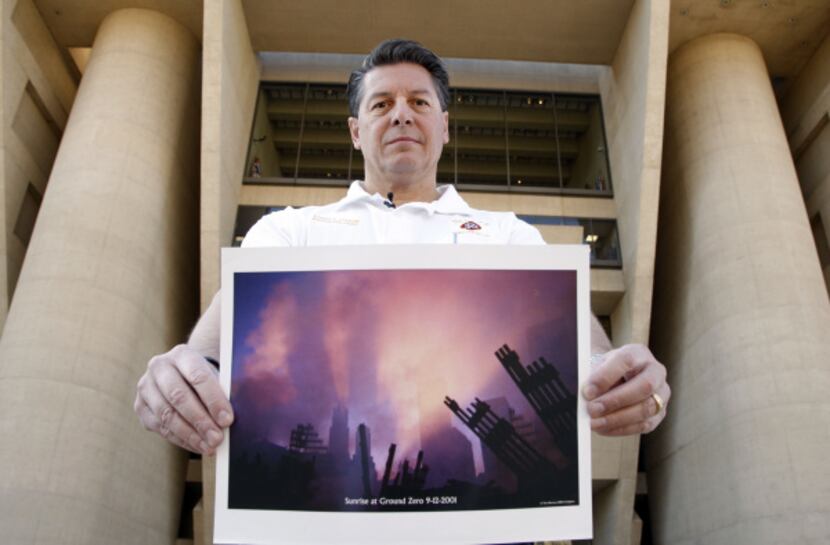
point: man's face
(400, 128)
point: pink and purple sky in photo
(390, 345)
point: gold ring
(660, 403)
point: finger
(618, 365)
(152, 423)
(201, 376)
(632, 414)
(172, 438)
(185, 402)
(632, 392)
(183, 434)
(646, 426)
(170, 424)
(146, 416)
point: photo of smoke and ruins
(404, 390)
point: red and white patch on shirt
(470, 226)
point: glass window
(531, 141)
(480, 145)
(601, 235)
(499, 140)
(582, 145)
(325, 147)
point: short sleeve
(276, 229)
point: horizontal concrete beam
(464, 142)
(463, 115)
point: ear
(354, 131)
(446, 126)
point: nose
(402, 113)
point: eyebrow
(380, 94)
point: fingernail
(225, 418)
(203, 447)
(597, 423)
(214, 437)
(590, 392)
(596, 408)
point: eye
(421, 103)
(380, 104)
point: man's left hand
(627, 392)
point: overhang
(74, 23)
(584, 32)
(787, 31)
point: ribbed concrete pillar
(109, 279)
(741, 317)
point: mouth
(403, 139)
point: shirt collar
(448, 201)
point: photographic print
(402, 390)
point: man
(398, 101)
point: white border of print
(265, 527)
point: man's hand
(179, 398)
(621, 392)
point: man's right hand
(179, 397)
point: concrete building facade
(125, 155)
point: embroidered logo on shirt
(463, 227)
(341, 221)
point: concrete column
(740, 316)
(110, 278)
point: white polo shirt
(361, 218)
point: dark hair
(395, 52)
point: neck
(404, 190)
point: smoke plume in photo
(389, 346)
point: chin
(405, 167)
